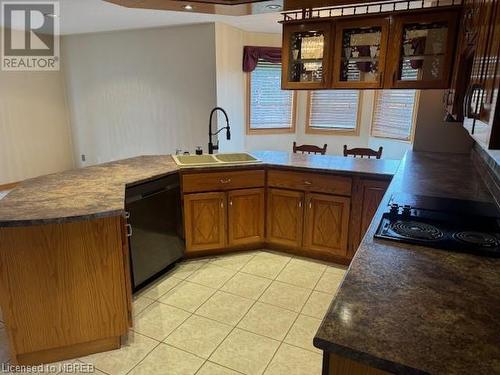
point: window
(394, 114)
(270, 109)
(333, 111)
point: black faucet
(211, 146)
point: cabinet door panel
(205, 221)
(421, 50)
(285, 217)
(307, 56)
(327, 223)
(246, 216)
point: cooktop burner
(448, 224)
(477, 238)
(417, 230)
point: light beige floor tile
(329, 282)
(266, 265)
(140, 303)
(290, 360)
(199, 336)
(267, 320)
(303, 331)
(121, 361)
(337, 269)
(245, 352)
(211, 276)
(246, 285)
(185, 269)
(301, 275)
(284, 295)
(4, 347)
(309, 264)
(225, 308)
(159, 320)
(167, 360)
(317, 305)
(187, 296)
(160, 287)
(210, 368)
(271, 254)
(232, 261)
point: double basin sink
(215, 160)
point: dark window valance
(251, 56)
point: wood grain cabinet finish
(313, 182)
(327, 223)
(63, 289)
(285, 212)
(365, 201)
(427, 59)
(222, 181)
(246, 216)
(205, 221)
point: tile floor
(246, 313)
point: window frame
(248, 114)
(413, 120)
(333, 131)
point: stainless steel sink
(215, 160)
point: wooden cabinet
(307, 55)
(412, 49)
(327, 223)
(421, 50)
(246, 216)
(285, 212)
(205, 221)
(367, 195)
(361, 48)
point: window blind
(270, 106)
(334, 109)
(393, 114)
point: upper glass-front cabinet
(306, 55)
(360, 53)
(422, 50)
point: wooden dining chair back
(309, 149)
(363, 152)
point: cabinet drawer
(306, 181)
(221, 181)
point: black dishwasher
(155, 221)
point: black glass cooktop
(442, 223)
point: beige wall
(432, 133)
(35, 136)
(140, 92)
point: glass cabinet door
(360, 53)
(425, 48)
(306, 56)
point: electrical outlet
(84, 158)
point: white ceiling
(88, 16)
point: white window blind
(334, 110)
(270, 106)
(393, 114)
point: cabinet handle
(308, 183)
(225, 180)
(300, 204)
(310, 205)
(221, 204)
(129, 230)
(127, 215)
(231, 202)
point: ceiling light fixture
(187, 7)
(273, 6)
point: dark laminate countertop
(99, 191)
(411, 309)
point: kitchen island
(409, 309)
(64, 269)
